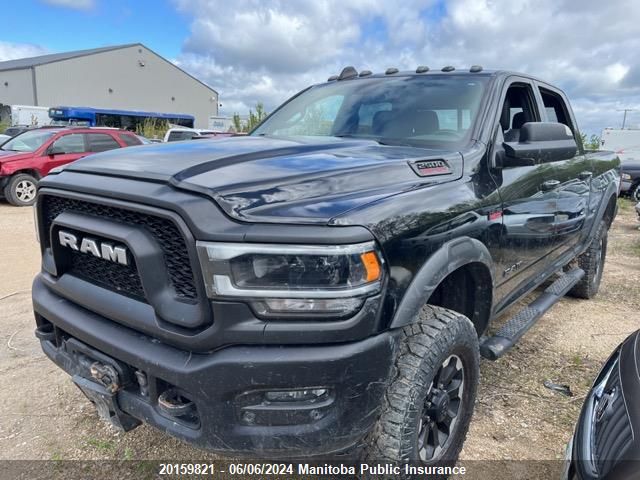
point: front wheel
(21, 190)
(429, 402)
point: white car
(4, 138)
(183, 133)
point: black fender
(610, 191)
(452, 255)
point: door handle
(549, 185)
(586, 175)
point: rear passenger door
(573, 176)
(101, 142)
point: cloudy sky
(266, 50)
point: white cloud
(266, 50)
(12, 51)
(74, 4)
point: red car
(27, 157)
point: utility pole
(624, 119)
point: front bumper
(226, 384)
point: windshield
(28, 141)
(411, 110)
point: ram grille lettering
(104, 250)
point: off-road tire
(424, 346)
(592, 262)
(16, 191)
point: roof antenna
(347, 73)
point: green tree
(237, 122)
(256, 118)
(593, 143)
(152, 128)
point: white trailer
(28, 115)
(624, 141)
(221, 124)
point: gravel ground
(43, 416)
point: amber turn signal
(371, 265)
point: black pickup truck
(328, 283)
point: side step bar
(496, 346)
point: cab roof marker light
(391, 71)
(422, 69)
(448, 68)
(348, 73)
(365, 73)
(475, 68)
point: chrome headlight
(625, 176)
(299, 280)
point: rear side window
(555, 108)
(72, 143)
(130, 140)
(101, 142)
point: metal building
(127, 77)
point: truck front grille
(120, 278)
(613, 431)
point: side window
(518, 108)
(555, 108)
(317, 118)
(130, 140)
(72, 143)
(101, 142)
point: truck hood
(266, 179)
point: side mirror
(540, 142)
(53, 150)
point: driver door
(529, 204)
(71, 147)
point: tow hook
(174, 403)
(106, 375)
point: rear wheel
(634, 193)
(592, 262)
(21, 190)
(428, 405)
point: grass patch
(56, 457)
(128, 453)
(625, 204)
(102, 445)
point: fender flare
(448, 258)
(611, 191)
